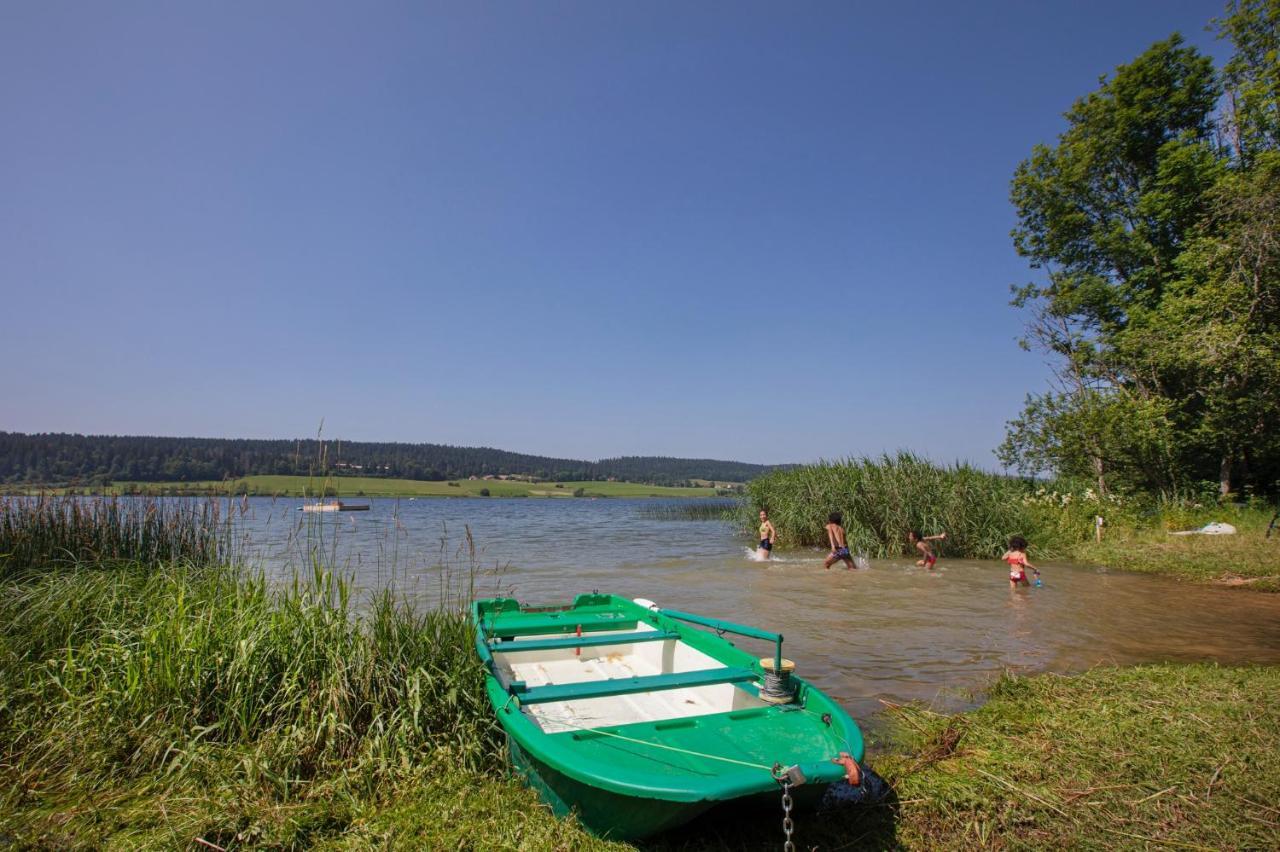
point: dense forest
(60, 459)
(1155, 224)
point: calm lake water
(893, 632)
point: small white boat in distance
(335, 506)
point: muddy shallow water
(893, 632)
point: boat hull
(617, 816)
(603, 813)
(637, 724)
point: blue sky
(762, 231)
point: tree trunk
(1224, 475)
(1098, 472)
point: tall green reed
(701, 510)
(162, 671)
(46, 531)
(883, 499)
(142, 670)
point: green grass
(1166, 756)
(454, 810)
(148, 705)
(433, 807)
(1248, 559)
(147, 701)
(351, 486)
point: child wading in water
(921, 542)
(839, 547)
(1016, 556)
(767, 536)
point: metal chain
(787, 825)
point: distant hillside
(63, 458)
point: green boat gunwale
(561, 750)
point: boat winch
(777, 680)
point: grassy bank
(369, 486)
(149, 705)
(1248, 559)
(1169, 756)
(150, 701)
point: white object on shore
(1215, 528)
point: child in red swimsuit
(927, 557)
(1016, 556)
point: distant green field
(366, 486)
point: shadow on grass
(847, 818)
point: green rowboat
(637, 721)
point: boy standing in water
(767, 536)
(839, 547)
(1016, 556)
(921, 542)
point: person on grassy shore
(768, 535)
(839, 546)
(1016, 556)
(921, 542)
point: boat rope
(603, 733)
(777, 685)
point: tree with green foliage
(1219, 330)
(1155, 222)
(1099, 434)
(1104, 214)
(1252, 76)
